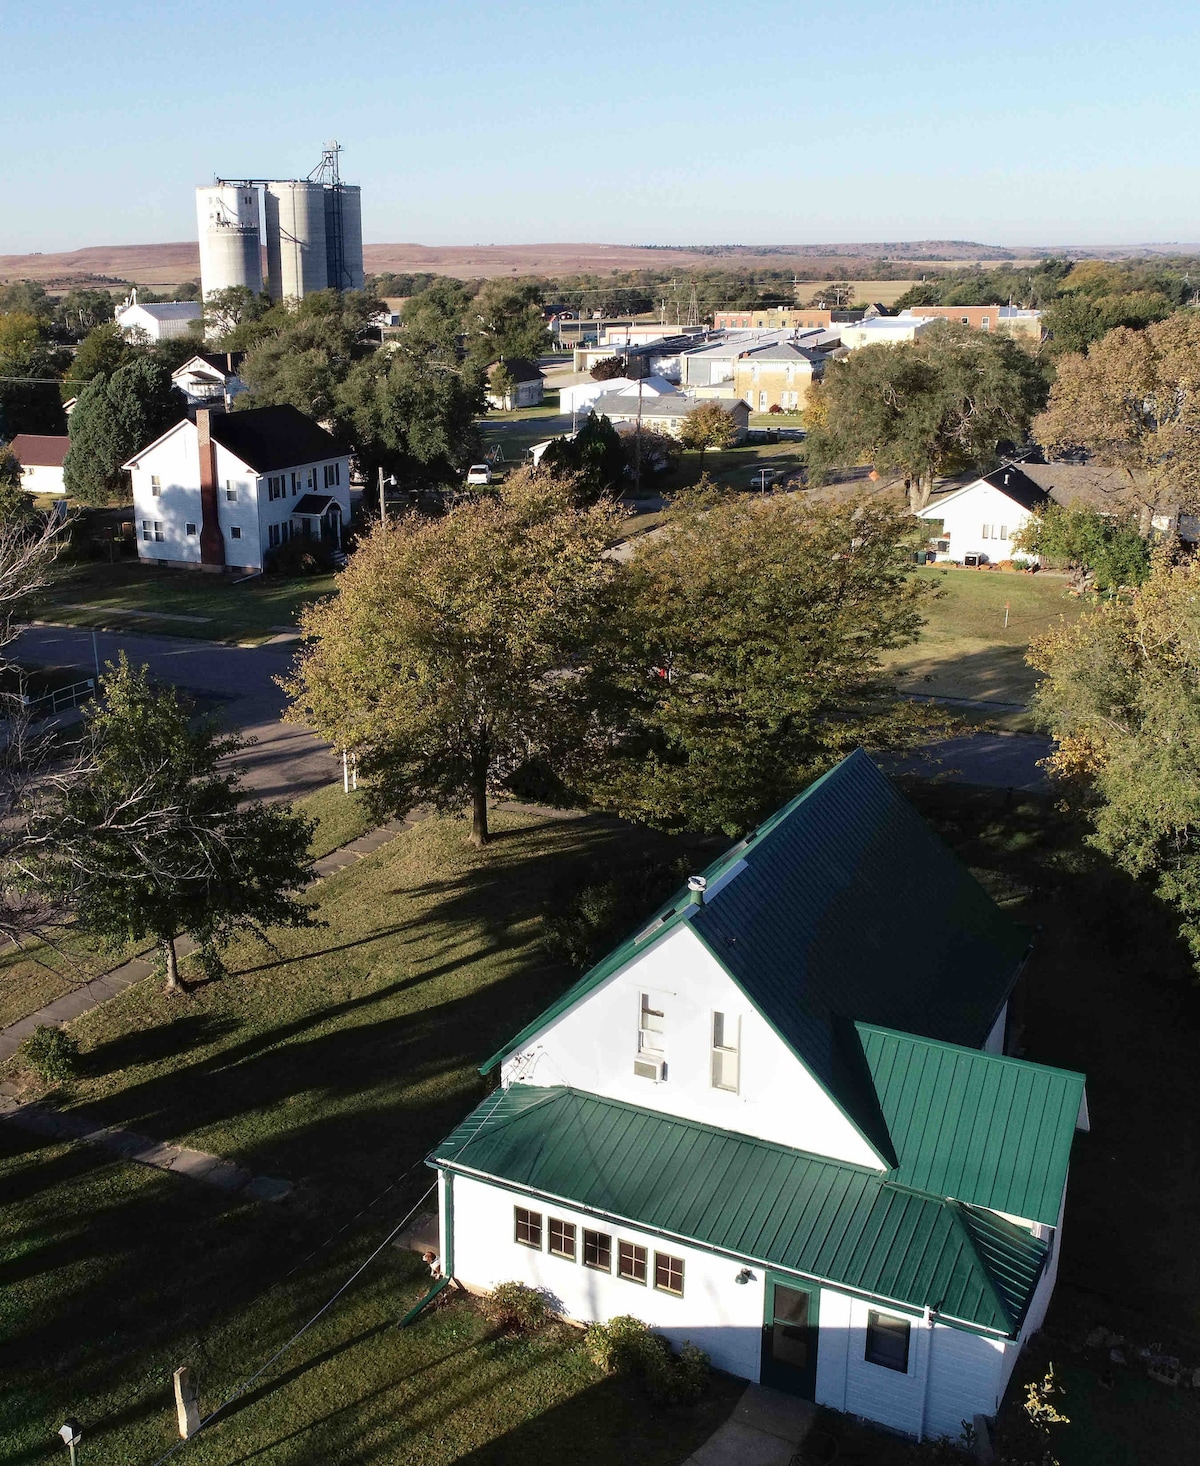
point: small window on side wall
(190, 531)
(725, 1051)
(597, 1251)
(527, 1227)
(887, 1341)
(562, 1238)
(668, 1274)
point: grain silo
(297, 262)
(343, 235)
(230, 245)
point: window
(147, 532)
(276, 487)
(887, 1341)
(986, 532)
(273, 535)
(726, 1031)
(668, 1273)
(235, 533)
(158, 530)
(597, 1250)
(562, 1238)
(631, 1262)
(762, 402)
(333, 474)
(231, 492)
(528, 1227)
(155, 485)
(651, 1027)
(295, 483)
(1004, 531)
(190, 531)
(986, 323)
(311, 481)
(966, 320)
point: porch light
(745, 1276)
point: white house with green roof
(778, 1121)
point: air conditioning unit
(646, 1068)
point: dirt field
(170, 264)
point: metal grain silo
(343, 235)
(230, 246)
(296, 253)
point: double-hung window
(231, 492)
(147, 529)
(190, 531)
(333, 475)
(726, 1051)
(887, 1341)
(651, 1026)
(986, 532)
(273, 535)
(155, 485)
(527, 1227)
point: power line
(300, 1332)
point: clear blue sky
(476, 122)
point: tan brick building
(755, 318)
(777, 376)
(1006, 319)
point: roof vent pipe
(697, 885)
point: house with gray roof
(773, 1124)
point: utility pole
(637, 444)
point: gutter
(418, 1308)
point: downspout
(448, 1225)
(927, 1320)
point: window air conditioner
(646, 1068)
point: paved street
(287, 759)
(988, 760)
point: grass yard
(37, 974)
(966, 650)
(177, 602)
(337, 1061)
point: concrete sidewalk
(765, 1429)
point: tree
(27, 359)
(81, 311)
(308, 354)
(941, 404)
(608, 368)
(1107, 550)
(111, 420)
(434, 318)
(443, 661)
(153, 838)
(505, 319)
(411, 411)
(226, 311)
(836, 295)
(742, 655)
(594, 460)
(103, 351)
(501, 382)
(708, 426)
(1133, 401)
(16, 505)
(1121, 695)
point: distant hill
(169, 264)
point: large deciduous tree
(743, 655)
(708, 426)
(1105, 551)
(1133, 401)
(29, 359)
(307, 353)
(113, 418)
(941, 404)
(104, 350)
(505, 319)
(152, 838)
(446, 660)
(1121, 695)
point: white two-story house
(223, 491)
(778, 1121)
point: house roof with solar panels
(796, 1066)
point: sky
(620, 121)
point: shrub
(51, 1053)
(580, 923)
(301, 557)
(517, 1306)
(774, 407)
(626, 1345)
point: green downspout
(447, 1260)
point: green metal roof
(838, 1223)
(848, 908)
(989, 1130)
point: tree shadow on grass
(178, 1035)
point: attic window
(652, 1026)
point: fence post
(187, 1402)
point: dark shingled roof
(40, 450)
(270, 438)
(519, 369)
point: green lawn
(209, 606)
(35, 975)
(336, 1061)
(966, 650)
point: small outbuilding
(41, 457)
(527, 381)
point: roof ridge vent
(697, 885)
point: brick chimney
(212, 542)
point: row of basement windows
(633, 1261)
(301, 480)
(725, 1051)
